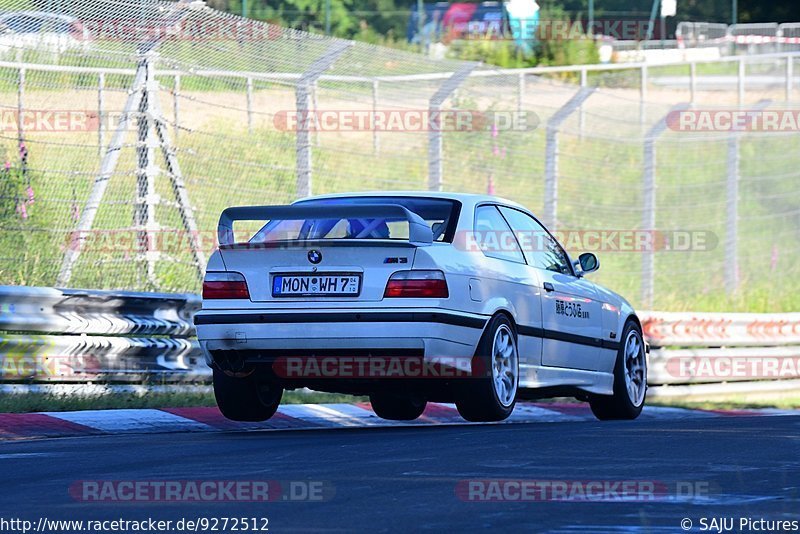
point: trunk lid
(286, 274)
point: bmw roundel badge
(314, 256)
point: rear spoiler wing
(419, 233)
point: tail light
(420, 284)
(225, 285)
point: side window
(539, 247)
(494, 237)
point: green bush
(503, 54)
(568, 52)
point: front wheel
(630, 379)
(246, 399)
(492, 395)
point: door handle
(549, 287)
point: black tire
(246, 399)
(477, 398)
(619, 406)
(397, 407)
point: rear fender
(216, 262)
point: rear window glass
(439, 214)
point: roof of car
(464, 198)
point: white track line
(348, 415)
(526, 412)
(130, 420)
(362, 415)
(666, 412)
(316, 414)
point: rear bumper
(263, 333)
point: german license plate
(317, 285)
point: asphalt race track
(412, 478)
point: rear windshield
(440, 214)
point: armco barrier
(76, 311)
(700, 356)
(68, 335)
(693, 34)
(73, 336)
(684, 329)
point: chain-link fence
(129, 126)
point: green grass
(41, 402)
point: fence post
(376, 141)
(142, 83)
(520, 92)
(732, 216)
(435, 140)
(649, 205)
(648, 219)
(250, 105)
(176, 93)
(144, 218)
(582, 116)
(20, 104)
(692, 82)
(789, 74)
(732, 208)
(303, 104)
(315, 108)
(551, 155)
(740, 80)
(101, 105)
(107, 167)
(643, 95)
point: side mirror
(588, 262)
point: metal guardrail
(69, 336)
(699, 33)
(76, 311)
(485, 71)
(690, 34)
(670, 329)
(701, 356)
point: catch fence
(123, 145)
